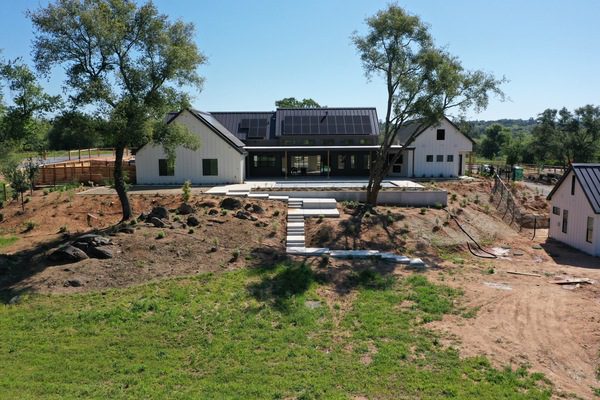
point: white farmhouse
(220, 158)
(575, 214)
(440, 151)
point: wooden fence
(97, 171)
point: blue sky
(263, 50)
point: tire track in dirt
(553, 330)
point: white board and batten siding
(579, 209)
(188, 163)
(454, 144)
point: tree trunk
(375, 178)
(120, 183)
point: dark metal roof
(218, 128)
(233, 121)
(336, 121)
(588, 176)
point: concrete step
(354, 253)
(307, 251)
(316, 212)
(319, 203)
(258, 195)
(280, 198)
(296, 224)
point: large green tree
(567, 137)
(423, 82)
(292, 102)
(75, 130)
(22, 123)
(495, 138)
(129, 61)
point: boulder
(192, 220)
(159, 212)
(242, 215)
(67, 254)
(127, 229)
(185, 209)
(157, 222)
(231, 203)
(73, 283)
(213, 211)
(101, 252)
(93, 240)
(257, 209)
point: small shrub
(276, 213)
(191, 231)
(423, 211)
(161, 235)
(29, 226)
(453, 197)
(216, 242)
(235, 254)
(476, 201)
(438, 206)
(186, 191)
(63, 229)
(133, 222)
(223, 212)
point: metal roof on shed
(588, 176)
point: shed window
(429, 158)
(589, 233)
(166, 167)
(441, 134)
(450, 158)
(440, 158)
(210, 167)
(556, 210)
(565, 221)
(573, 185)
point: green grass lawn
(245, 334)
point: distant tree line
(558, 137)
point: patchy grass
(245, 334)
(7, 240)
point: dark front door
(460, 165)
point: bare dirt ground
(513, 319)
(220, 242)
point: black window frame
(555, 210)
(429, 158)
(441, 134)
(166, 167)
(565, 221)
(589, 231)
(207, 168)
(573, 185)
(439, 158)
(450, 158)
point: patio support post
(328, 164)
(286, 164)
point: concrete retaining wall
(408, 198)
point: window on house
(341, 164)
(450, 158)
(429, 158)
(352, 161)
(441, 134)
(366, 161)
(565, 221)
(589, 233)
(439, 158)
(263, 161)
(210, 167)
(573, 185)
(556, 210)
(166, 167)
